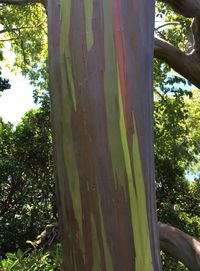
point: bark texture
(101, 54)
(180, 245)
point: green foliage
(33, 260)
(175, 29)
(169, 264)
(4, 83)
(177, 141)
(27, 35)
(176, 148)
(179, 28)
(27, 185)
(193, 121)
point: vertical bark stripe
(119, 48)
(111, 100)
(65, 50)
(89, 21)
(117, 67)
(146, 257)
(67, 84)
(137, 197)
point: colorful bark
(101, 54)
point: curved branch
(166, 24)
(20, 28)
(180, 245)
(186, 65)
(187, 8)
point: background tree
(27, 187)
(176, 149)
(4, 83)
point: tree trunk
(101, 55)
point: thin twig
(20, 28)
(166, 24)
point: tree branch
(166, 24)
(186, 65)
(20, 28)
(5, 40)
(180, 245)
(19, 2)
(187, 8)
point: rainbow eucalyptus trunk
(101, 54)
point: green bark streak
(119, 150)
(108, 257)
(143, 259)
(65, 49)
(111, 100)
(88, 21)
(141, 199)
(95, 247)
(71, 166)
(68, 148)
(97, 261)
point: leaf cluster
(25, 28)
(27, 185)
(32, 260)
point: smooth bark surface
(101, 55)
(186, 65)
(187, 8)
(180, 245)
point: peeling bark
(180, 245)
(186, 65)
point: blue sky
(17, 100)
